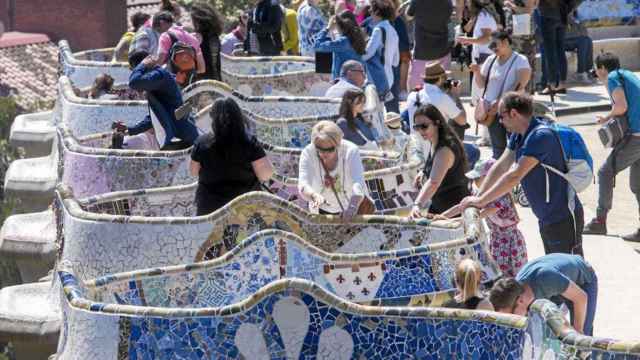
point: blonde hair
(326, 130)
(467, 277)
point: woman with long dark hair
(351, 122)
(228, 161)
(208, 25)
(446, 184)
(350, 44)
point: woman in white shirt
(483, 25)
(331, 175)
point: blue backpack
(578, 161)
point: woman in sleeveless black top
(446, 184)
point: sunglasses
(418, 127)
(493, 45)
(325, 150)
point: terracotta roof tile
(29, 71)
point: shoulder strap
(486, 83)
(384, 41)
(173, 37)
(506, 74)
(333, 188)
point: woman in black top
(467, 278)
(208, 24)
(351, 122)
(227, 161)
(444, 169)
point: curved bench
(99, 240)
(291, 318)
(394, 276)
(83, 72)
(287, 121)
(279, 76)
(159, 223)
(550, 336)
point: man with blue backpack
(552, 163)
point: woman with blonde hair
(469, 296)
(331, 175)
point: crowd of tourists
(394, 48)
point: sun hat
(481, 168)
(434, 71)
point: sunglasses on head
(325, 150)
(421, 126)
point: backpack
(578, 161)
(182, 61)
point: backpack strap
(384, 41)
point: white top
(349, 175)
(432, 94)
(499, 72)
(338, 89)
(484, 21)
(391, 50)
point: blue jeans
(583, 45)
(553, 34)
(473, 154)
(498, 135)
(394, 105)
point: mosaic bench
(82, 69)
(287, 319)
(90, 168)
(161, 223)
(280, 75)
(296, 318)
(99, 238)
(401, 276)
(286, 121)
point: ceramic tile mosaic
(279, 76)
(83, 72)
(288, 319)
(274, 254)
(608, 12)
(124, 226)
(550, 337)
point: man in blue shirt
(164, 97)
(561, 277)
(622, 85)
(530, 145)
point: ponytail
(467, 278)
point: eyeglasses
(357, 70)
(325, 150)
(419, 127)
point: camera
(592, 74)
(450, 83)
